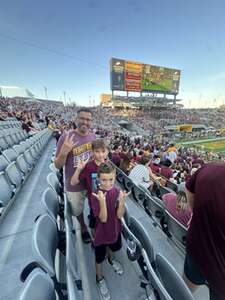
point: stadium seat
(3, 144)
(4, 162)
(155, 206)
(49, 200)
(14, 175)
(120, 175)
(140, 233)
(38, 286)
(10, 154)
(67, 213)
(55, 170)
(54, 183)
(73, 293)
(138, 194)
(19, 149)
(29, 158)
(128, 184)
(22, 164)
(6, 189)
(177, 230)
(45, 243)
(9, 140)
(171, 280)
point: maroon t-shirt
(88, 178)
(82, 150)
(108, 232)
(206, 235)
(166, 172)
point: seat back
(54, 183)
(71, 255)
(38, 286)
(22, 164)
(3, 144)
(14, 175)
(139, 194)
(45, 241)
(6, 190)
(141, 234)
(4, 162)
(10, 154)
(50, 202)
(67, 213)
(171, 280)
(155, 206)
(128, 184)
(177, 230)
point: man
(72, 147)
(205, 258)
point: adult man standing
(205, 258)
(73, 146)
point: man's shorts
(100, 251)
(76, 200)
(194, 274)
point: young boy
(86, 172)
(108, 206)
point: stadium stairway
(17, 226)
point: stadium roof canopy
(14, 91)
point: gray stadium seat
(6, 190)
(9, 140)
(38, 286)
(139, 195)
(54, 183)
(67, 213)
(13, 174)
(155, 207)
(22, 164)
(3, 144)
(29, 159)
(177, 230)
(128, 184)
(73, 293)
(120, 175)
(10, 154)
(19, 149)
(50, 201)
(141, 234)
(4, 162)
(171, 280)
(55, 170)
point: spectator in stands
(205, 255)
(108, 205)
(86, 172)
(142, 175)
(115, 157)
(178, 207)
(126, 163)
(72, 147)
(166, 171)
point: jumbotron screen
(137, 77)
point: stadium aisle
(16, 228)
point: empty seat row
(16, 164)
(10, 124)
(47, 238)
(8, 140)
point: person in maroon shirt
(205, 258)
(108, 205)
(86, 172)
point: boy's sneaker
(118, 268)
(103, 289)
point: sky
(66, 45)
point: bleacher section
(19, 153)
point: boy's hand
(100, 196)
(123, 195)
(82, 163)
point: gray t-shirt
(82, 150)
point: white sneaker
(103, 289)
(117, 266)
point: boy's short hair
(144, 160)
(100, 144)
(106, 168)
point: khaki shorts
(76, 200)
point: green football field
(215, 145)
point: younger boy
(108, 206)
(86, 172)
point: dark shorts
(100, 251)
(92, 219)
(194, 274)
